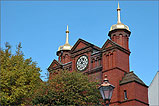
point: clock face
(82, 63)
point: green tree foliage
(67, 88)
(18, 77)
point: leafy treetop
(67, 88)
(18, 76)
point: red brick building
(112, 59)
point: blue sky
(40, 26)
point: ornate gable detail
(55, 65)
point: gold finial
(119, 25)
(67, 35)
(66, 46)
(67, 31)
(118, 6)
(118, 10)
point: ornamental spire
(66, 46)
(119, 25)
(118, 10)
(67, 31)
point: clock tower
(112, 59)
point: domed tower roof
(66, 46)
(119, 25)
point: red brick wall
(121, 38)
(135, 94)
(109, 60)
(130, 91)
(122, 60)
(114, 77)
(114, 59)
(141, 92)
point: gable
(108, 44)
(54, 64)
(80, 44)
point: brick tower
(111, 60)
(116, 66)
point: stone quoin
(112, 59)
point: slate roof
(131, 77)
